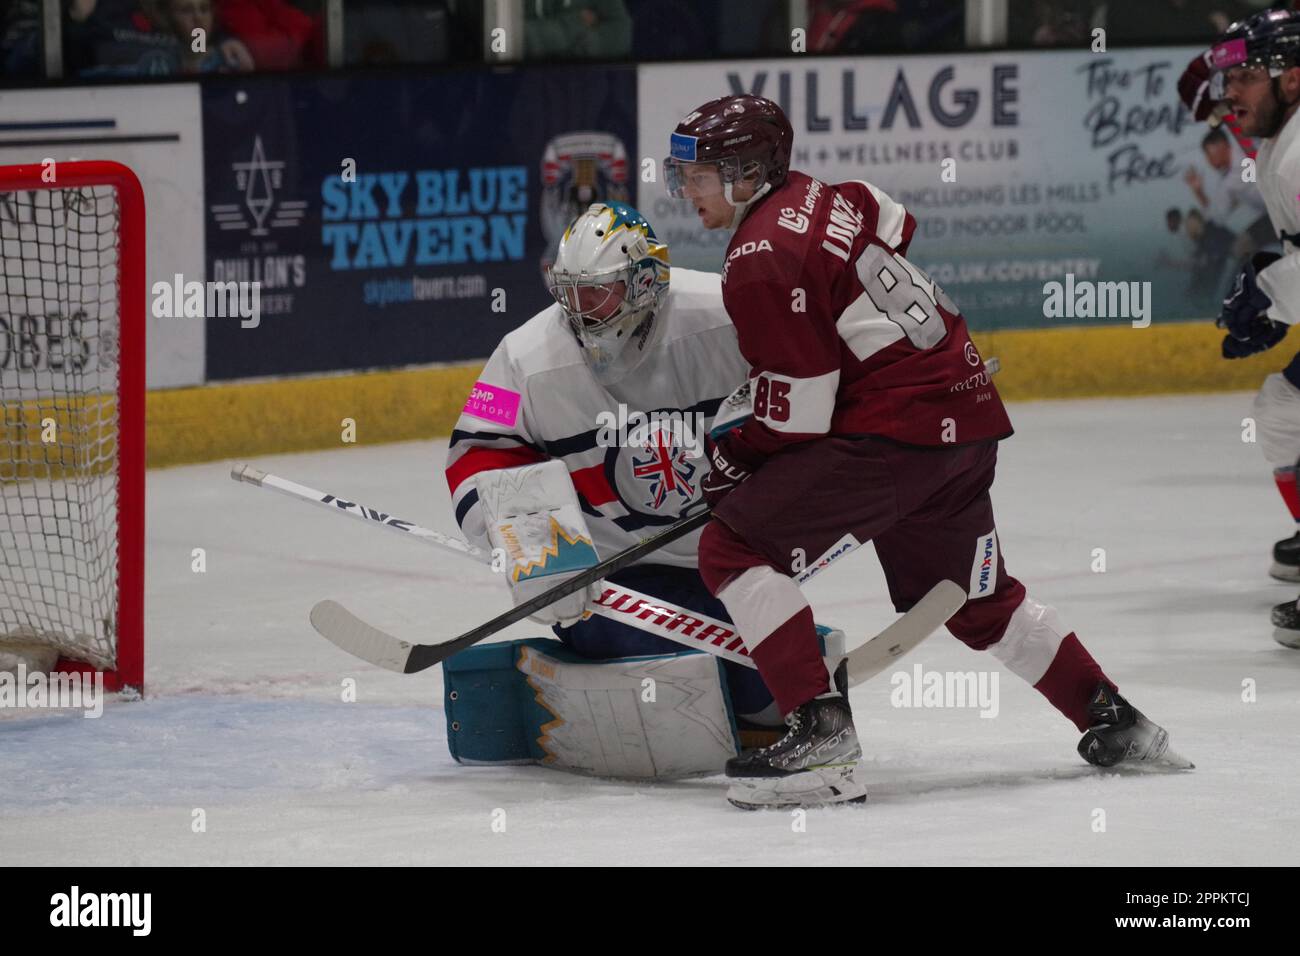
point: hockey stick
(619, 603)
(339, 626)
(373, 516)
(445, 542)
(924, 618)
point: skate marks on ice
(865, 784)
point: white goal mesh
(59, 364)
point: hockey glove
(1247, 302)
(1262, 334)
(726, 469)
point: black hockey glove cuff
(1262, 334)
(1247, 302)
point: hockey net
(72, 425)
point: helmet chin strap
(740, 207)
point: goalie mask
(610, 276)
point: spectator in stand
(151, 38)
(1053, 22)
(277, 34)
(113, 38)
(576, 29)
(183, 20)
(853, 26)
(20, 39)
(413, 31)
(930, 25)
(1169, 21)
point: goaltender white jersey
(1277, 168)
(632, 438)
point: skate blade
(1168, 762)
(1284, 572)
(1286, 637)
(1173, 760)
(812, 788)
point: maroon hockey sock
(1071, 679)
(790, 660)
(1286, 486)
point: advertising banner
(154, 130)
(1022, 169)
(394, 220)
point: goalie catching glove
(537, 530)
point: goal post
(72, 390)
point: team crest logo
(578, 169)
(657, 476)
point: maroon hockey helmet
(747, 137)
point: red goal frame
(131, 286)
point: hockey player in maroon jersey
(873, 418)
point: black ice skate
(820, 734)
(1286, 559)
(1120, 734)
(812, 765)
(1286, 624)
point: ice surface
(245, 719)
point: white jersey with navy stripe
(1278, 176)
(631, 438)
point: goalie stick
(620, 603)
(340, 626)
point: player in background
(1255, 78)
(620, 341)
(873, 418)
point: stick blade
(926, 616)
(344, 629)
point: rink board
(302, 414)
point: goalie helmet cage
(72, 384)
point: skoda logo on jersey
(657, 477)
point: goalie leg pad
(535, 701)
